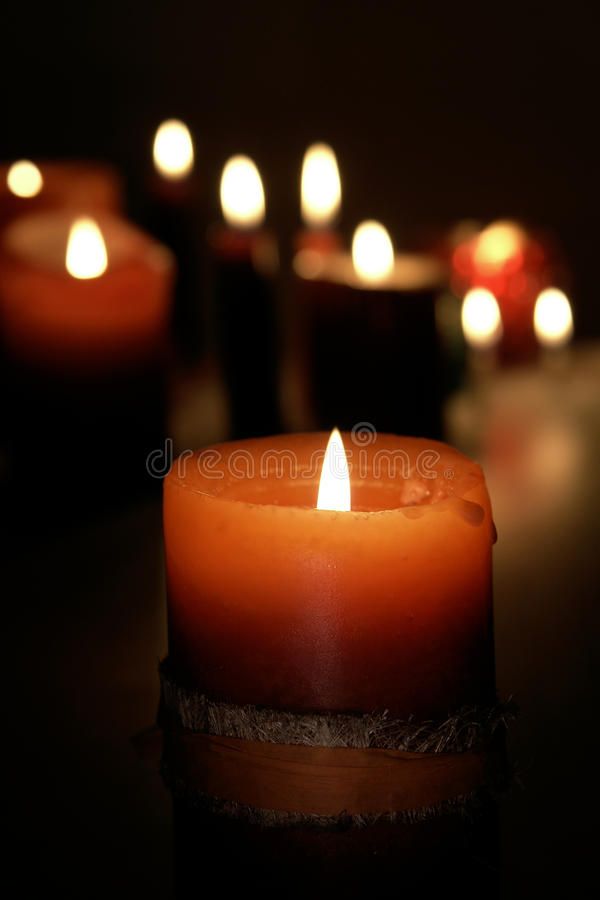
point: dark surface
(85, 628)
(59, 428)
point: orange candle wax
(385, 606)
(114, 318)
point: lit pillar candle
(245, 264)
(27, 186)
(84, 307)
(174, 219)
(370, 337)
(82, 294)
(371, 592)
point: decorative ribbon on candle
(278, 767)
(323, 781)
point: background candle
(84, 310)
(111, 319)
(274, 602)
(553, 325)
(320, 200)
(369, 336)
(506, 260)
(27, 186)
(482, 328)
(553, 318)
(245, 263)
(173, 217)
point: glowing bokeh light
(24, 179)
(86, 255)
(372, 252)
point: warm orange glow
(24, 179)
(481, 319)
(498, 243)
(242, 193)
(334, 486)
(320, 187)
(553, 318)
(308, 264)
(86, 251)
(173, 150)
(372, 252)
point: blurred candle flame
(242, 193)
(86, 251)
(320, 186)
(372, 252)
(24, 179)
(481, 319)
(173, 150)
(497, 244)
(334, 485)
(553, 318)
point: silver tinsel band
(470, 732)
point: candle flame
(86, 251)
(242, 193)
(173, 150)
(320, 186)
(481, 319)
(372, 252)
(24, 179)
(553, 318)
(498, 243)
(334, 486)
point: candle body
(275, 603)
(244, 265)
(50, 319)
(372, 354)
(84, 364)
(172, 218)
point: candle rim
(411, 272)
(471, 482)
(442, 505)
(136, 246)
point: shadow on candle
(455, 855)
